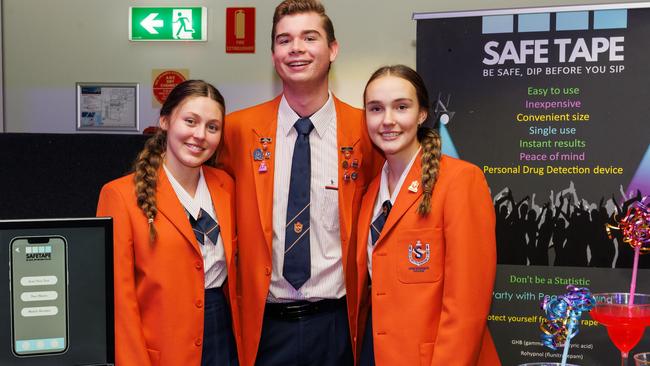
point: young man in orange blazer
(305, 321)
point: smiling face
(301, 51)
(393, 115)
(193, 134)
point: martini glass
(625, 322)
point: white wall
(51, 45)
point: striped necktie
(205, 226)
(378, 224)
(297, 262)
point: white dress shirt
(214, 256)
(327, 280)
(384, 195)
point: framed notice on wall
(107, 106)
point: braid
(431, 153)
(146, 177)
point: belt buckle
(298, 311)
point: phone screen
(39, 295)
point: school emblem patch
(419, 254)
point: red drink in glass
(625, 323)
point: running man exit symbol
(168, 24)
(182, 23)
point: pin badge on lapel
(414, 186)
(265, 141)
(347, 152)
(263, 168)
(258, 155)
(261, 154)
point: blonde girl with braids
(174, 241)
(426, 257)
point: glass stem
(623, 358)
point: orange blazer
(254, 202)
(159, 287)
(432, 276)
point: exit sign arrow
(150, 23)
(168, 24)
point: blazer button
(197, 342)
(198, 265)
(267, 271)
(199, 303)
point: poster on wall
(107, 106)
(552, 105)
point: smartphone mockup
(39, 292)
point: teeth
(194, 147)
(299, 63)
(390, 134)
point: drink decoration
(562, 317)
(635, 227)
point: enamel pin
(263, 168)
(414, 186)
(258, 155)
(265, 141)
(347, 152)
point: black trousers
(321, 338)
(367, 350)
(219, 347)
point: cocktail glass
(625, 323)
(642, 359)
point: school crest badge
(419, 254)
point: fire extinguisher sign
(240, 30)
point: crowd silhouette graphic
(564, 231)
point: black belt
(302, 309)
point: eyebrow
(303, 33)
(392, 101)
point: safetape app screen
(39, 295)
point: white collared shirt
(214, 257)
(384, 195)
(327, 280)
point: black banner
(553, 105)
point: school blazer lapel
(405, 198)
(169, 206)
(222, 202)
(347, 136)
(264, 180)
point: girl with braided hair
(174, 240)
(426, 257)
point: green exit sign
(168, 24)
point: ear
(163, 122)
(422, 116)
(334, 50)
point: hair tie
(150, 220)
